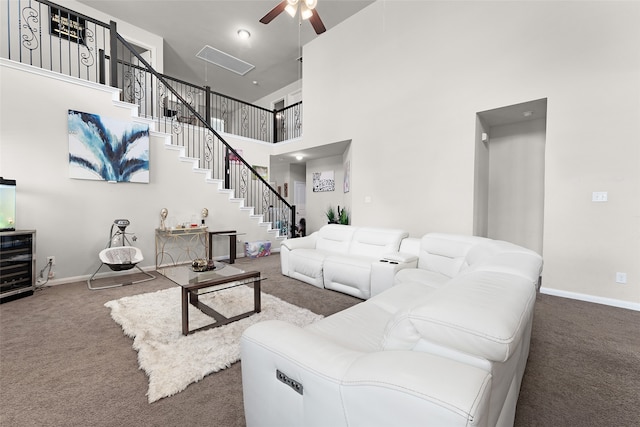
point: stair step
(271, 234)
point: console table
(232, 243)
(175, 246)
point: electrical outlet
(621, 277)
(51, 260)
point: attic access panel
(224, 60)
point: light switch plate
(599, 196)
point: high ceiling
(187, 26)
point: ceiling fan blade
(274, 12)
(317, 23)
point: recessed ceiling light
(244, 34)
(299, 157)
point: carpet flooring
(65, 362)
(172, 360)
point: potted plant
(343, 217)
(331, 215)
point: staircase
(99, 54)
(227, 211)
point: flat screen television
(7, 204)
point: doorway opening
(279, 122)
(509, 173)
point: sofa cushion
(375, 242)
(349, 274)
(446, 253)
(399, 297)
(425, 277)
(360, 327)
(335, 238)
(523, 263)
(306, 265)
(483, 314)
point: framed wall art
(107, 149)
(323, 181)
(263, 171)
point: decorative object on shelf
(163, 216)
(204, 213)
(199, 264)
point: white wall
(73, 217)
(409, 78)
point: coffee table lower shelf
(190, 296)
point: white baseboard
(591, 298)
(105, 272)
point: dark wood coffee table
(223, 277)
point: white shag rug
(171, 360)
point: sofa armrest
(411, 245)
(306, 242)
(384, 270)
(400, 257)
(322, 383)
(405, 388)
(313, 361)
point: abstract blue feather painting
(103, 148)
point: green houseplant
(331, 215)
(343, 217)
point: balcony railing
(43, 34)
(46, 35)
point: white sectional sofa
(347, 259)
(445, 345)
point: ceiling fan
(307, 11)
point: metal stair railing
(201, 141)
(44, 34)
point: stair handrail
(229, 148)
(88, 49)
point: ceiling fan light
(311, 4)
(305, 12)
(291, 10)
